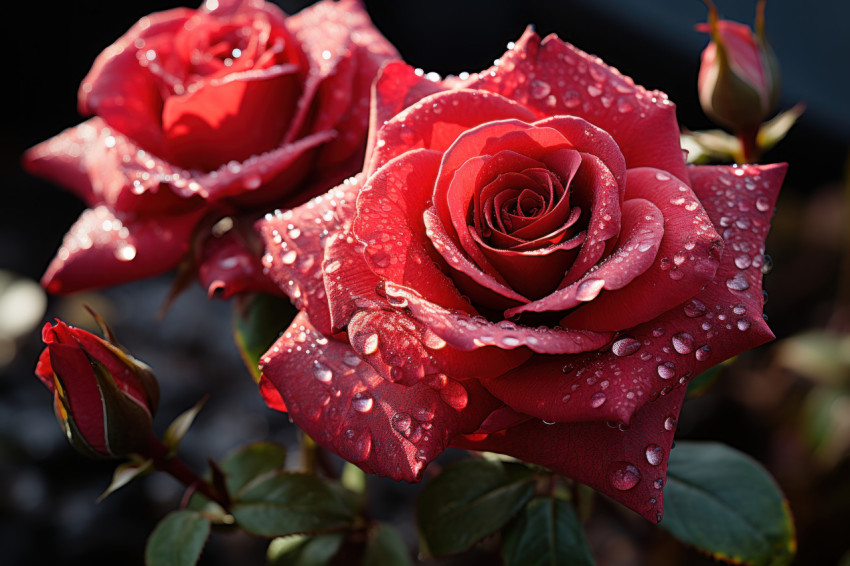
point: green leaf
(547, 533)
(180, 426)
(772, 131)
(125, 473)
(257, 322)
(249, 462)
(177, 540)
(286, 503)
(468, 501)
(303, 550)
(724, 503)
(353, 478)
(385, 547)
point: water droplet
(125, 252)
(454, 395)
(362, 402)
(623, 475)
(738, 283)
(666, 370)
(683, 343)
(658, 484)
(565, 398)
(669, 423)
(743, 324)
(356, 446)
(703, 353)
(510, 341)
(743, 261)
(589, 289)
(401, 422)
(767, 266)
(695, 308)
(539, 89)
(370, 344)
(252, 182)
(762, 204)
(658, 331)
(322, 372)
(597, 400)
(662, 176)
(625, 346)
(289, 257)
(654, 454)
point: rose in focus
(206, 114)
(104, 398)
(527, 266)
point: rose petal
(641, 235)
(643, 123)
(295, 247)
(436, 121)
(385, 428)
(229, 267)
(663, 354)
(104, 248)
(687, 258)
(467, 332)
(628, 465)
(120, 90)
(390, 222)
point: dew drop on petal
(625, 346)
(539, 89)
(762, 204)
(401, 422)
(589, 289)
(322, 372)
(623, 475)
(683, 343)
(703, 353)
(597, 400)
(654, 454)
(738, 283)
(370, 344)
(289, 257)
(125, 252)
(743, 324)
(669, 423)
(695, 308)
(658, 484)
(362, 402)
(666, 370)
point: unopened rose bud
(739, 77)
(103, 397)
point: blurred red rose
(201, 114)
(527, 265)
(104, 398)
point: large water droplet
(597, 400)
(654, 454)
(738, 283)
(623, 475)
(695, 308)
(289, 257)
(356, 445)
(703, 353)
(539, 89)
(762, 204)
(625, 346)
(370, 344)
(362, 402)
(683, 343)
(666, 370)
(401, 422)
(322, 372)
(669, 423)
(743, 324)
(589, 289)
(125, 252)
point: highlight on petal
(385, 428)
(568, 81)
(466, 332)
(295, 247)
(629, 464)
(104, 248)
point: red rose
(528, 266)
(104, 398)
(208, 113)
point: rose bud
(739, 77)
(103, 397)
(526, 265)
(199, 115)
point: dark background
(47, 492)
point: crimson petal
(385, 428)
(295, 247)
(628, 465)
(643, 123)
(105, 248)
